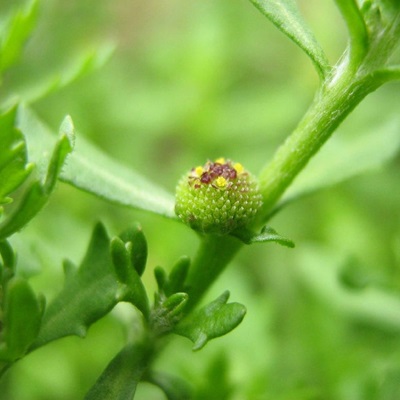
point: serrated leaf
(131, 286)
(211, 321)
(14, 168)
(89, 293)
(285, 15)
(15, 33)
(121, 377)
(267, 234)
(22, 317)
(342, 158)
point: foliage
(332, 315)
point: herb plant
(218, 201)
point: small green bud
(217, 197)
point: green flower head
(217, 197)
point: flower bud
(217, 197)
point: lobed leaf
(89, 293)
(285, 15)
(211, 321)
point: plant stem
(214, 254)
(336, 99)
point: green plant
(32, 160)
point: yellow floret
(220, 160)
(198, 170)
(239, 168)
(220, 182)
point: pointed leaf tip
(286, 16)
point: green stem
(339, 96)
(214, 254)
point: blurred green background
(192, 80)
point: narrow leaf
(285, 15)
(89, 293)
(22, 316)
(211, 321)
(121, 377)
(93, 171)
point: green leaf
(343, 158)
(211, 321)
(14, 167)
(285, 15)
(22, 317)
(121, 377)
(136, 244)
(131, 287)
(37, 195)
(15, 33)
(175, 281)
(93, 171)
(267, 234)
(89, 293)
